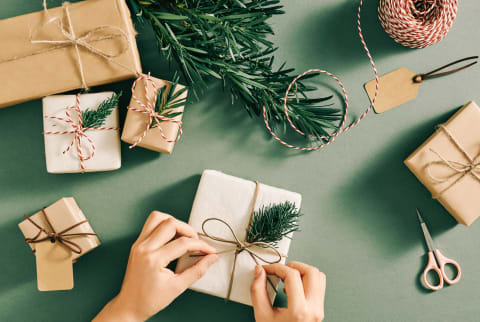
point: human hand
(305, 289)
(149, 286)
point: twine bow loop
(460, 169)
(149, 108)
(63, 237)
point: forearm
(114, 311)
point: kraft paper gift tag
(107, 154)
(231, 199)
(54, 267)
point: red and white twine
(412, 23)
(148, 108)
(85, 147)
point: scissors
(440, 259)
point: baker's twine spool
(417, 23)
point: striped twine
(81, 141)
(149, 109)
(413, 23)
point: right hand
(305, 289)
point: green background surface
(359, 200)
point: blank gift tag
(396, 88)
(54, 266)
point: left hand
(149, 286)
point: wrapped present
(81, 132)
(222, 212)
(448, 164)
(154, 115)
(58, 234)
(65, 48)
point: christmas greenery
(228, 40)
(95, 118)
(271, 223)
(169, 98)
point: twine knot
(148, 108)
(459, 168)
(62, 237)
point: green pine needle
(169, 99)
(97, 117)
(273, 222)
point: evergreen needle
(96, 117)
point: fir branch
(227, 40)
(271, 223)
(168, 99)
(96, 117)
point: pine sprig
(271, 223)
(96, 117)
(227, 40)
(168, 99)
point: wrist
(118, 310)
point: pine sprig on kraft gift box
(169, 99)
(227, 40)
(96, 118)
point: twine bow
(63, 237)
(460, 169)
(148, 108)
(78, 41)
(241, 246)
(85, 146)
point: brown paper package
(62, 214)
(29, 71)
(136, 122)
(461, 198)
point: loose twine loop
(63, 237)
(85, 146)
(413, 23)
(461, 169)
(148, 108)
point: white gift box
(230, 198)
(106, 143)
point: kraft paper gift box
(448, 164)
(31, 68)
(106, 143)
(58, 234)
(231, 199)
(136, 122)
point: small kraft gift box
(81, 132)
(58, 235)
(223, 211)
(154, 117)
(448, 164)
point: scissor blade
(426, 233)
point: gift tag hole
(52, 240)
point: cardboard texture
(230, 198)
(54, 267)
(107, 142)
(29, 71)
(461, 198)
(136, 122)
(396, 88)
(62, 214)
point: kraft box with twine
(448, 164)
(78, 45)
(221, 213)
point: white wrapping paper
(230, 198)
(107, 142)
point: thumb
(194, 273)
(261, 302)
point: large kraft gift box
(231, 199)
(136, 122)
(62, 214)
(448, 164)
(31, 70)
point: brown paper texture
(62, 214)
(56, 71)
(136, 122)
(54, 267)
(396, 88)
(461, 199)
